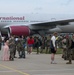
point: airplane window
(6, 21)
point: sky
(37, 6)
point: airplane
(27, 24)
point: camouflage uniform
(23, 49)
(47, 46)
(73, 53)
(71, 56)
(64, 46)
(69, 51)
(12, 48)
(20, 48)
(73, 47)
(0, 42)
(37, 44)
(43, 44)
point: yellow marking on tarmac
(14, 70)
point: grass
(59, 51)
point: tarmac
(36, 64)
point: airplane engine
(57, 29)
(19, 30)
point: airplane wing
(59, 22)
(51, 24)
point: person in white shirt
(53, 48)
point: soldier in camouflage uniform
(64, 46)
(12, 47)
(20, 48)
(23, 41)
(37, 44)
(68, 52)
(43, 44)
(73, 47)
(0, 42)
(48, 44)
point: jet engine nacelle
(57, 29)
(19, 30)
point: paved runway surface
(35, 65)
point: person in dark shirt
(0, 42)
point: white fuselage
(28, 19)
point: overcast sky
(37, 6)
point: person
(73, 47)
(37, 44)
(64, 47)
(16, 42)
(48, 44)
(22, 51)
(6, 50)
(43, 44)
(12, 48)
(3, 37)
(30, 43)
(0, 42)
(70, 49)
(19, 46)
(53, 47)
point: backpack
(72, 44)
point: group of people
(39, 44)
(11, 45)
(51, 43)
(68, 48)
(67, 45)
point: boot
(70, 62)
